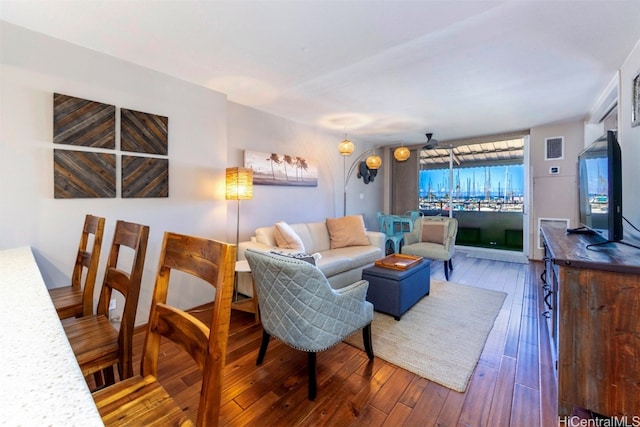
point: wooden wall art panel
(81, 122)
(143, 132)
(144, 177)
(82, 174)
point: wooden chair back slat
(183, 329)
(67, 300)
(141, 400)
(93, 341)
(213, 262)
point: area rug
(441, 337)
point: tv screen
(600, 187)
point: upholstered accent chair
(433, 237)
(300, 308)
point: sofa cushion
(360, 256)
(308, 239)
(265, 236)
(434, 232)
(336, 261)
(287, 238)
(331, 263)
(347, 231)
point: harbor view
(486, 188)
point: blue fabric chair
(300, 308)
(394, 227)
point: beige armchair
(433, 237)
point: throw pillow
(301, 256)
(287, 238)
(347, 231)
(434, 232)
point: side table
(248, 305)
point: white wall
(33, 68)
(206, 134)
(553, 196)
(629, 139)
(250, 129)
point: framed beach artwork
(281, 169)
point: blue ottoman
(396, 291)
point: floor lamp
(238, 186)
(372, 161)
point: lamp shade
(238, 184)
(401, 154)
(374, 161)
(346, 147)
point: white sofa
(342, 266)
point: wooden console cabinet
(595, 300)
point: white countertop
(40, 381)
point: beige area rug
(441, 337)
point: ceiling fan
(431, 142)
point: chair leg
(263, 347)
(451, 264)
(446, 270)
(312, 375)
(388, 247)
(366, 338)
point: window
(484, 188)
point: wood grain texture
(599, 326)
(76, 300)
(143, 132)
(78, 121)
(145, 177)
(96, 344)
(142, 400)
(82, 174)
(358, 393)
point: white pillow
(287, 238)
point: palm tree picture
(281, 169)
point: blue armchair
(299, 307)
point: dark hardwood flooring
(513, 384)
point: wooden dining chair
(96, 343)
(141, 400)
(77, 300)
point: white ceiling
(383, 71)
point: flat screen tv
(600, 187)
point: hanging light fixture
(401, 153)
(346, 147)
(374, 161)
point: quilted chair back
(299, 307)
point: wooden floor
(513, 384)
